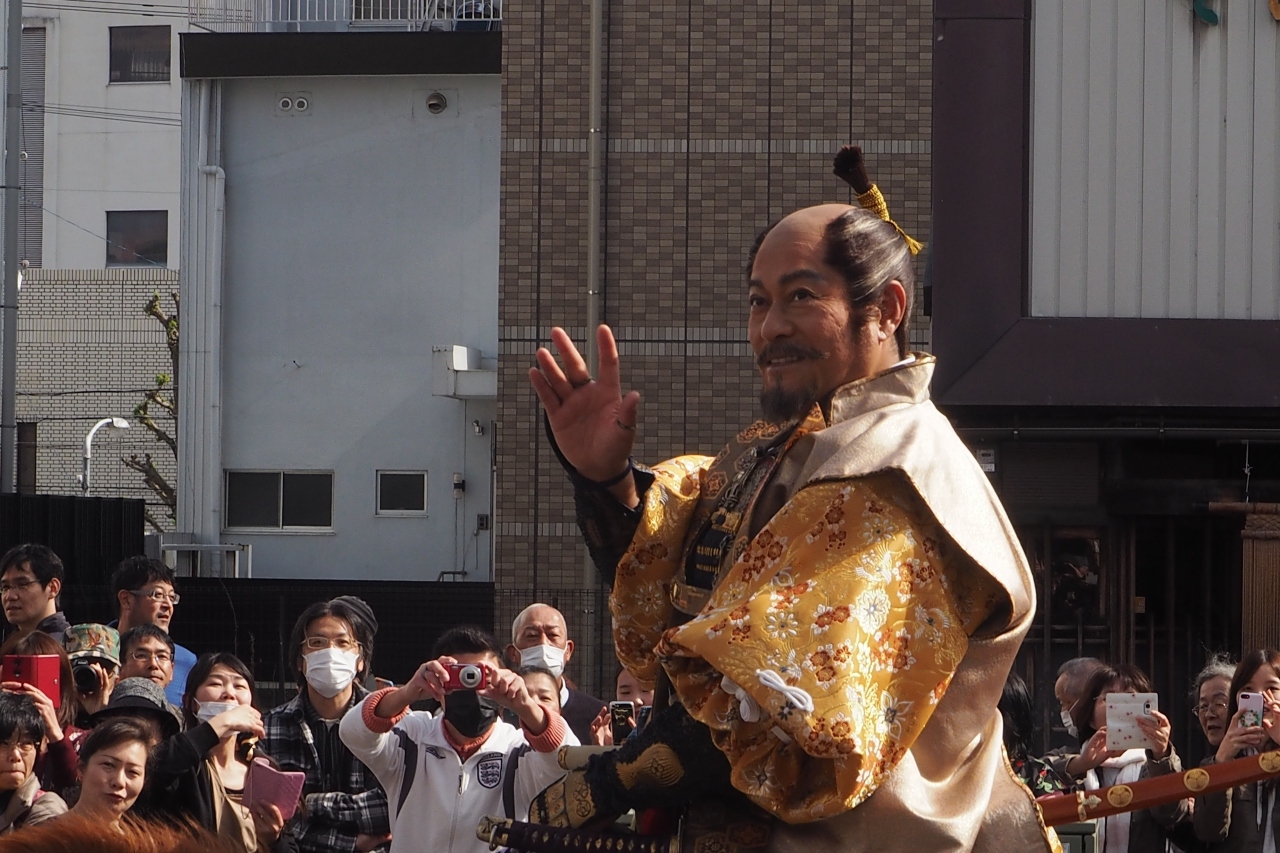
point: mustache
(784, 349)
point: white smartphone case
(1123, 711)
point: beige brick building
(719, 120)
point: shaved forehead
(805, 225)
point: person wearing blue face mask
(540, 637)
(331, 646)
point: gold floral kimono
(850, 661)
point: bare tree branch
(164, 397)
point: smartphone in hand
(43, 671)
(622, 716)
(1123, 712)
(1250, 709)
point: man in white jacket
(443, 774)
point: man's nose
(775, 324)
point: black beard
(781, 405)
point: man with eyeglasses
(331, 648)
(144, 594)
(31, 578)
(146, 651)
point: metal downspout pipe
(595, 179)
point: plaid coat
(334, 818)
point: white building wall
(358, 236)
(108, 146)
(1155, 163)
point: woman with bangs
(199, 775)
(1243, 819)
(1147, 830)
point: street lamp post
(113, 423)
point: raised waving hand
(593, 422)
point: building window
(402, 493)
(140, 54)
(137, 238)
(279, 500)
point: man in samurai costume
(832, 603)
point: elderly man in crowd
(833, 601)
(540, 637)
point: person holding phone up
(1243, 819)
(1144, 831)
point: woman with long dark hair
(200, 774)
(1143, 831)
(1243, 820)
(1017, 711)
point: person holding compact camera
(1096, 766)
(1243, 819)
(94, 651)
(443, 774)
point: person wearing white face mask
(331, 646)
(540, 637)
(199, 776)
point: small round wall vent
(301, 104)
(286, 104)
(437, 103)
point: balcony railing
(337, 15)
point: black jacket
(179, 785)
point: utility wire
(140, 258)
(100, 115)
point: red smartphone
(44, 671)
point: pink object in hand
(280, 788)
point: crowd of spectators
(131, 732)
(121, 728)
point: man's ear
(893, 306)
(124, 601)
(55, 587)
(568, 651)
(513, 654)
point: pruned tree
(158, 412)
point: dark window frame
(130, 60)
(280, 502)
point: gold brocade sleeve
(639, 601)
(842, 624)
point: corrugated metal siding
(31, 173)
(1155, 167)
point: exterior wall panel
(1155, 140)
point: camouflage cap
(92, 640)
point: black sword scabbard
(537, 838)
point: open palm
(593, 423)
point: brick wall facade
(719, 119)
(86, 351)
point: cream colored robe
(935, 777)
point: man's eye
(801, 295)
(755, 301)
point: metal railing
(338, 15)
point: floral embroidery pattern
(847, 595)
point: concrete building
(100, 134)
(1108, 328)
(340, 264)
